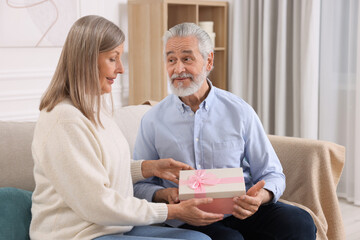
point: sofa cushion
(128, 119)
(15, 213)
(16, 163)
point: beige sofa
(312, 167)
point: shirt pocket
(228, 153)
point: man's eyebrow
(187, 51)
(169, 52)
(184, 51)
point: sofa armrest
(16, 163)
(313, 169)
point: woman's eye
(112, 60)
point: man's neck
(194, 100)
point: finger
(170, 200)
(246, 208)
(244, 212)
(181, 165)
(171, 177)
(256, 188)
(176, 174)
(212, 216)
(189, 168)
(207, 215)
(246, 200)
(239, 216)
(174, 198)
(174, 180)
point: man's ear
(210, 62)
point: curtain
(298, 64)
(274, 62)
(339, 105)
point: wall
(25, 72)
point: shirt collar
(205, 104)
(179, 104)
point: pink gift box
(221, 184)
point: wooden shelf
(148, 21)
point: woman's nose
(120, 68)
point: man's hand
(188, 212)
(164, 168)
(167, 195)
(246, 205)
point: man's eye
(112, 60)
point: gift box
(220, 184)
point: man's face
(185, 65)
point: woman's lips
(110, 80)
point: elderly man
(207, 127)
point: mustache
(182, 75)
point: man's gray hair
(191, 29)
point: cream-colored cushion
(128, 119)
(16, 163)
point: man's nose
(179, 67)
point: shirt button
(197, 139)
(199, 166)
(191, 114)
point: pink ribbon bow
(201, 178)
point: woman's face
(109, 64)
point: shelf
(219, 49)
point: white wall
(25, 72)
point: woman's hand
(247, 205)
(164, 168)
(188, 212)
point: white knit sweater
(83, 178)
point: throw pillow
(15, 213)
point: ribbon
(201, 178)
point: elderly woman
(83, 171)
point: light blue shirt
(224, 132)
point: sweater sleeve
(136, 172)
(71, 159)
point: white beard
(195, 84)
